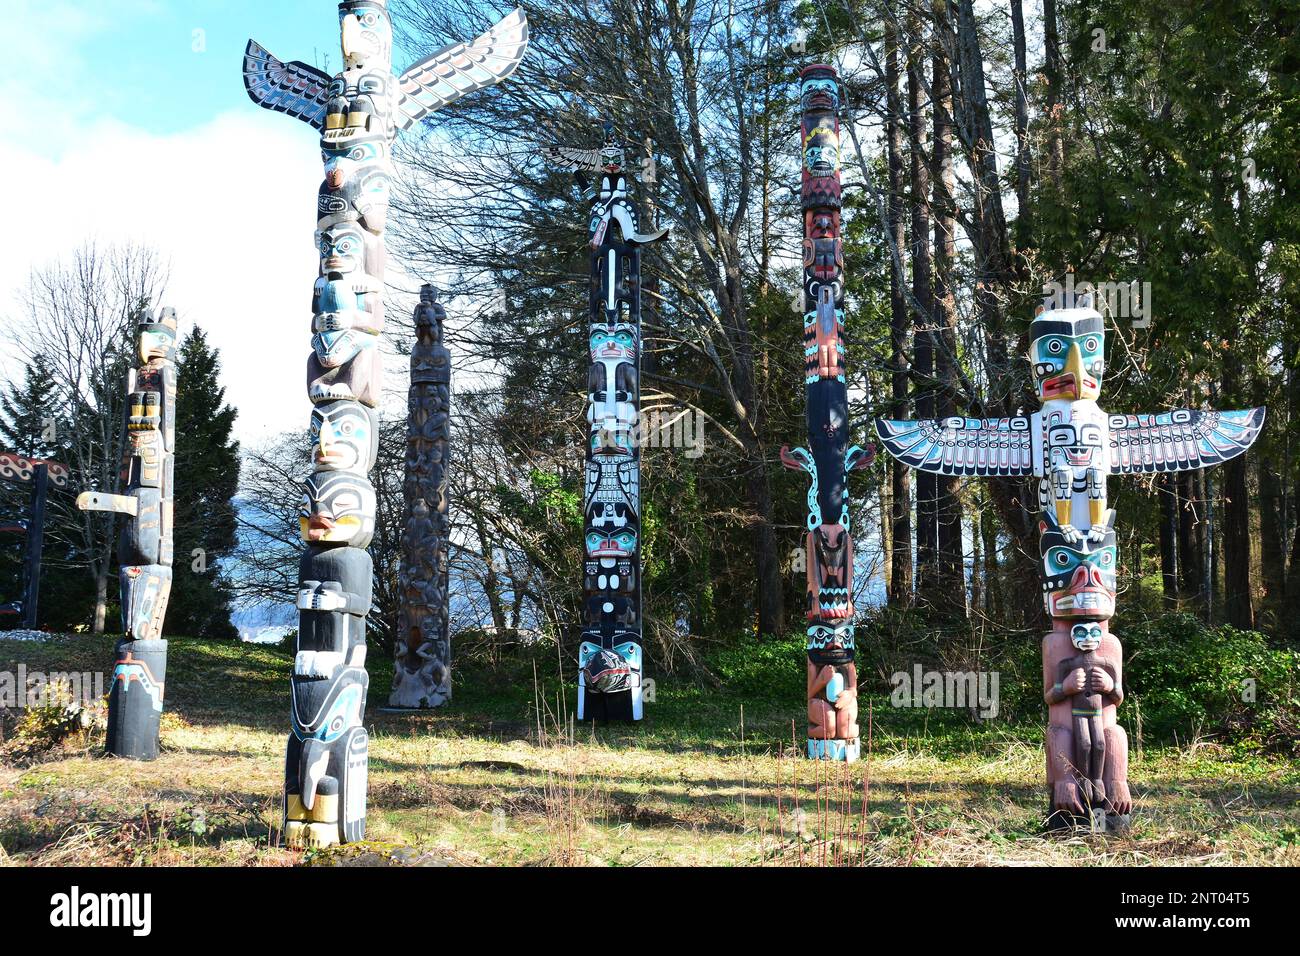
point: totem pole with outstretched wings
(1071, 446)
(359, 112)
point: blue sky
(130, 126)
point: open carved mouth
(1067, 385)
(1084, 601)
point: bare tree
(78, 312)
(691, 77)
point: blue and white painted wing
(294, 88)
(1180, 440)
(462, 68)
(961, 446)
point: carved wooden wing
(571, 158)
(961, 446)
(294, 88)
(1180, 440)
(462, 68)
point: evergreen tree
(206, 479)
(30, 416)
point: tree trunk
(923, 341)
(1191, 537)
(771, 600)
(1166, 491)
(1238, 607)
(948, 510)
(1271, 550)
(900, 476)
(1052, 71)
(1024, 228)
(101, 599)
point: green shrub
(1186, 677)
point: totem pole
(832, 676)
(358, 113)
(423, 666)
(144, 547)
(610, 660)
(1070, 445)
(40, 473)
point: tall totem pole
(144, 547)
(422, 676)
(358, 113)
(1070, 445)
(832, 677)
(610, 659)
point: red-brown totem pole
(1071, 446)
(828, 544)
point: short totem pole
(610, 658)
(423, 666)
(828, 544)
(144, 547)
(1071, 446)
(358, 113)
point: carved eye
(1055, 346)
(1090, 344)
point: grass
(713, 776)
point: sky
(128, 120)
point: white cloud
(230, 204)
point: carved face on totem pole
(348, 251)
(1067, 354)
(338, 507)
(829, 558)
(1078, 575)
(366, 33)
(1086, 638)
(618, 341)
(157, 336)
(344, 437)
(830, 637)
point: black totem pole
(610, 659)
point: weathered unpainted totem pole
(423, 664)
(832, 683)
(358, 113)
(40, 473)
(610, 658)
(144, 546)
(1071, 446)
